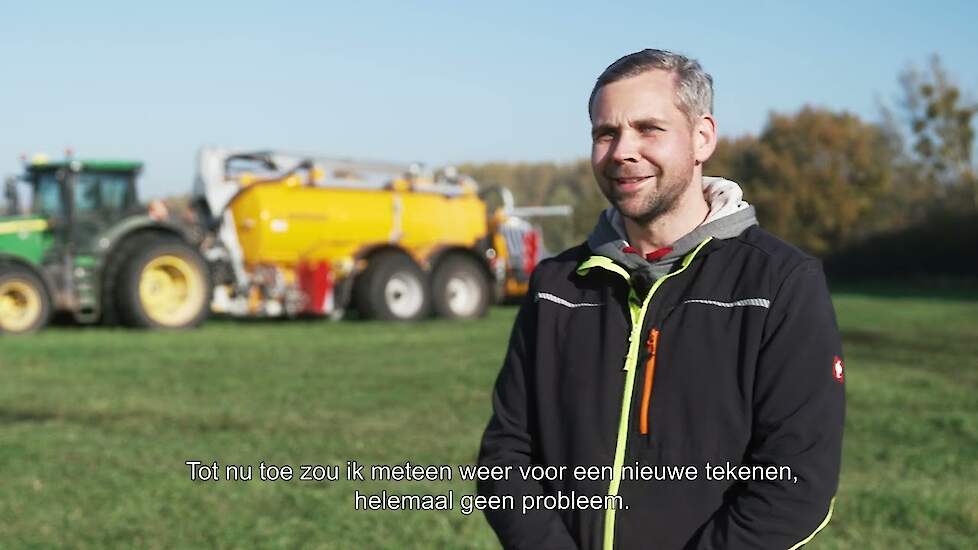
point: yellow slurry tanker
(293, 234)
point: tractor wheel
(392, 288)
(25, 306)
(460, 289)
(163, 283)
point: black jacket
(747, 370)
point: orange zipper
(650, 345)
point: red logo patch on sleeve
(838, 369)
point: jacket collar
(729, 216)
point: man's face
(642, 149)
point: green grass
(95, 426)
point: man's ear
(704, 138)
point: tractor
(81, 245)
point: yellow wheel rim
(171, 291)
(20, 306)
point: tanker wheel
(164, 284)
(392, 288)
(25, 306)
(460, 289)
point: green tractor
(83, 246)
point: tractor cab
(80, 199)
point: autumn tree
(815, 176)
(942, 137)
(733, 158)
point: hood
(729, 216)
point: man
(680, 334)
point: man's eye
(605, 136)
(651, 129)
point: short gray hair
(694, 86)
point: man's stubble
(655, 203)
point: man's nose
(625, 148)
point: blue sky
(437, 82)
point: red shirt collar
(651, 256)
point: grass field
(96, 424)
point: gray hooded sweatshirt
(729, 216)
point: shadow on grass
(144, 418)
(21, 416)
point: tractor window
(86, 193)
(104, 193)
(25, 197)
(13, 197)
(47, 195)
(115, 192)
